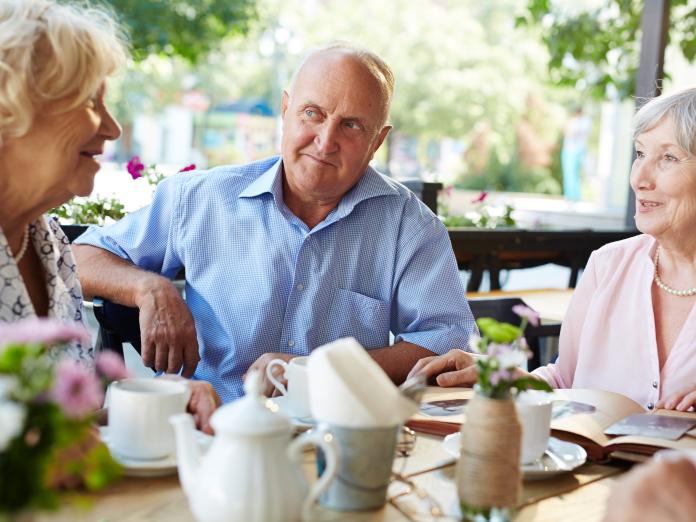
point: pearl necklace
(669, 289)
(23, 248)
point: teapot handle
(325, 440)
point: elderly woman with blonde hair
(631, 324)
(54, 62)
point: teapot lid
(249, 415)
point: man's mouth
(320, 160)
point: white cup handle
(327, 443)
(271, 377)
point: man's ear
(382, 135)
(284, 101)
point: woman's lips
(645, 205)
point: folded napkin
(348, 388)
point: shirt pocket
(360, 316)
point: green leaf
(502, 333)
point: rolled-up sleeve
(431, 307)
(146, 237)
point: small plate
(151, 468)
(572, 454)
(280, 404)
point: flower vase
(488, 472)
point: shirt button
(291, 343)
(650, 405)
(300, 286)
(654, 384)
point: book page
(610, 407)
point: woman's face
(57, 156)
(663, 178)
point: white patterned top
(62, 285)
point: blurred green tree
(186, 28)
(598, 46)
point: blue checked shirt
(258, 280)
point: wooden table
(551, 303)
(479, 250)
(580, 496)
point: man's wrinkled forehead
(337, 71)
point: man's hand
(455, 368)
(661, 490)
(260, 365)
(203, 402)
(167, 330)
(681, 400)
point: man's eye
(310, 113)
(353, 125)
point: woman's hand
(680, 401)
(455, 368)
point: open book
(583, 428)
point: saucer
(572, 454)
(150, 468)
(280, 404)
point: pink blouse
(608, 339)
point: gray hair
(680, 107)
(50, 52)
(377, 67)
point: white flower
(11, 422)
(8, 384)
(510, 357)
(474, 343)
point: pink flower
(192, 166)
(76, 389)
(524, 311)
(135, 167)
(111, 366)
(42, 331)
(481, 197)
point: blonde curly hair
(49, 52)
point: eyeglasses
(411, 500)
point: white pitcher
(253, 470)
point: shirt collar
(270, 182)
(372, 184)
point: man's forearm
(107, 275)
(397, 360)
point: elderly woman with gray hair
(631, 324)
(54, 123)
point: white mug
(297, 391)
(534, 414)
(139, 410)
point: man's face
(332, 126)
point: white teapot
(252, 471)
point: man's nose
(326, 138)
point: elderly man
(286, 254)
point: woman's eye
(640, 154)
(669, 157)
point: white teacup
(534, 414)
(297, 391)
(139, 410)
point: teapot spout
(187, 451)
